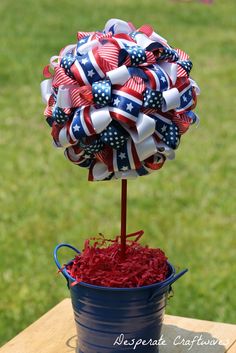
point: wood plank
(55, 332)
(192, 335)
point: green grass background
(187, 209)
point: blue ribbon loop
(101, 91)
(136, 54)
(66, 62)
(169, 54)
(152, 99)
(60, 116)
(92, 147)
(114, 135)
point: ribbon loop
(120, 75)
(91, 146)
(114, 135)
(135, 54)
(168, 132)
(152, 99)
(101, 91)
(145, 127)
(118, 26)
(126, 105)
(169, 54)
(86, 69)
(46, 90)
(60, 116)
(158, 78)
(66, 63)
(147, 43)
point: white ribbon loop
(146, 148)
(157, 38)
(63, 138)
(168, 152)
(100, 171)
(145, 127)
(116, 26)
(171, 99)
(68, 49)
(171, 70)
(84, 49)
(100, 118)
(54, 61)
(195, 85)
(118, 76)
(64, 97)
(143, 40)
(46, 90)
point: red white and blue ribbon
(119, 100)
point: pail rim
(156, 284)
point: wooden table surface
(55, 332)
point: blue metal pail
(115, 320)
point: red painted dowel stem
(123, 216)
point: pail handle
(63, 270)
(168, 283)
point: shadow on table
(72, 342)
(178, 340)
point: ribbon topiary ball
(119, 100)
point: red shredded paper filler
(101, 263)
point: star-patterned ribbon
(119, 100)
